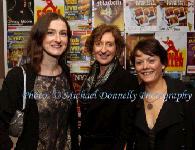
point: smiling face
(56, 39)
(149, 68)
(104, 49)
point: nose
(103, 49)
(145, 64)
(57, 38)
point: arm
(73, 118)
(74, 125)
(192, 113)
(127, 114)
(10, 95)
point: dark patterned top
(53, 106)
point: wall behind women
(2, 73)
(1, 41)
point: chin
(104, 63)
(147, 80)
(57, 53)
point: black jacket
(175, 125)
(11, 99)
(102, 116)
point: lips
(147, 73)
(56, 46)
(104, 56)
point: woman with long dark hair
(49, 113)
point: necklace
(150, 100)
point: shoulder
(174, 83)
(178, 87)
(120, 71)
(15, 75)
(15, 72)
(124, 77)
(13, 80)
(127, 75)
(11, 88)
(65, 68)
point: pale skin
(54, 44)
(149, 69)
(104, 51)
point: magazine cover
(71, 9)
(79, 14)
(77, 51)
(175, 15)
(20, 12)
(110, 12)
(16, 41)
(191, 53)
(194, 15)
(77, 80)
(43, 6)
(140, 16)
(175, 44)
(79, 71)
(78, 9)
(77, 25)
(85, 9)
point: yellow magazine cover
(176, 45)
(44, 6)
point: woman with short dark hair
(164, 120)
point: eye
(109, 44)
(50, 32)
(151, 61)
(98, 43)
(64, 34)
(138, 62)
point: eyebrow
(146, 58)
(55, 29)
(104, 41)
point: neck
(103, 70)
(50, 67)
(157, 86)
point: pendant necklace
(149, 106)
(149, 103)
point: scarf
(93, 81)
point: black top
(103, 116)
(175, 126)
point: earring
(163, 70)
(116, 56)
